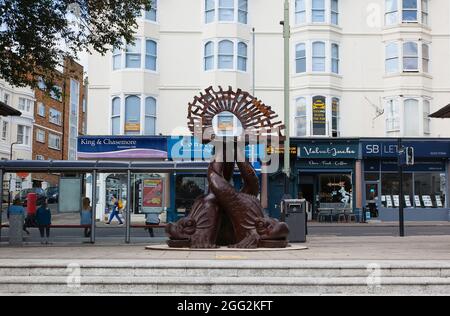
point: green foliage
(36, 35)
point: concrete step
(224, 277)
(224, 285)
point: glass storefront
(188, 189)
(336, 188)
(420, 189)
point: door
(372, 198)
(276, 192)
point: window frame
(316, 57)
(319, 9)
(388, 58)
(393, 117)
(154, 9)
(416, 57)
(150, 116)
(334, 12)
(300, 59)
(138, 121)
(116, 116)
(221, 54)
(40, 132)
(298, 118)
(335, 60)
(149, 55)
(5, 130)
(241, 57)
(57, 138)
(209, 57)
(299, 12)
(40, 106)
(50, 117)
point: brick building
(59, 118)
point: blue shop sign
(189, 148)
(422, 149)
(122, 147)
(328, 151)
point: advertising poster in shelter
(153, 195)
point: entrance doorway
(372, 194)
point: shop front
(425, 184)
(323, 173)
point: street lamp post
(287, 145)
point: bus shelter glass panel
(53, 205)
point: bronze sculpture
(225, 217)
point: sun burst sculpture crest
(257, 119)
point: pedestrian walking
(115, 211)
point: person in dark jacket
(43, 221)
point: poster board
(388, 201)
(417, 201)
(70, 195)
(439, 201)
(408, 201)
(153, 195)
(427, 201)
(396, 199)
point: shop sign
(122, 147)
(328, 151)
(319, 115)
(324, 164)
(422, 149)
(189, 148)
(132, 127)
(272, 150)
(153, 195)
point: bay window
(392, 117)
(115, 117)
(425, 58)
(150, 116)
(226, 10)
(300, 117)
(132, 115)
(242, 56)
(209, 56)
(151, 14)
(210, 11)
(243, 11)
(300, 58)
(150, 55)
(318, 11)
(410, 57)
(226, 54)
(133, 55)
(335, 118)
(409, 13)
(391, 59)
(334, 12)
(300, 11)
(318, 56)
(426, 117)
(335, 58)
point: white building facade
(16, 133)
(367, 68)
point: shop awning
(442, 113)
(6, 110)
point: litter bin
(294, 214)
(16, 220)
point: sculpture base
(163, 247)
